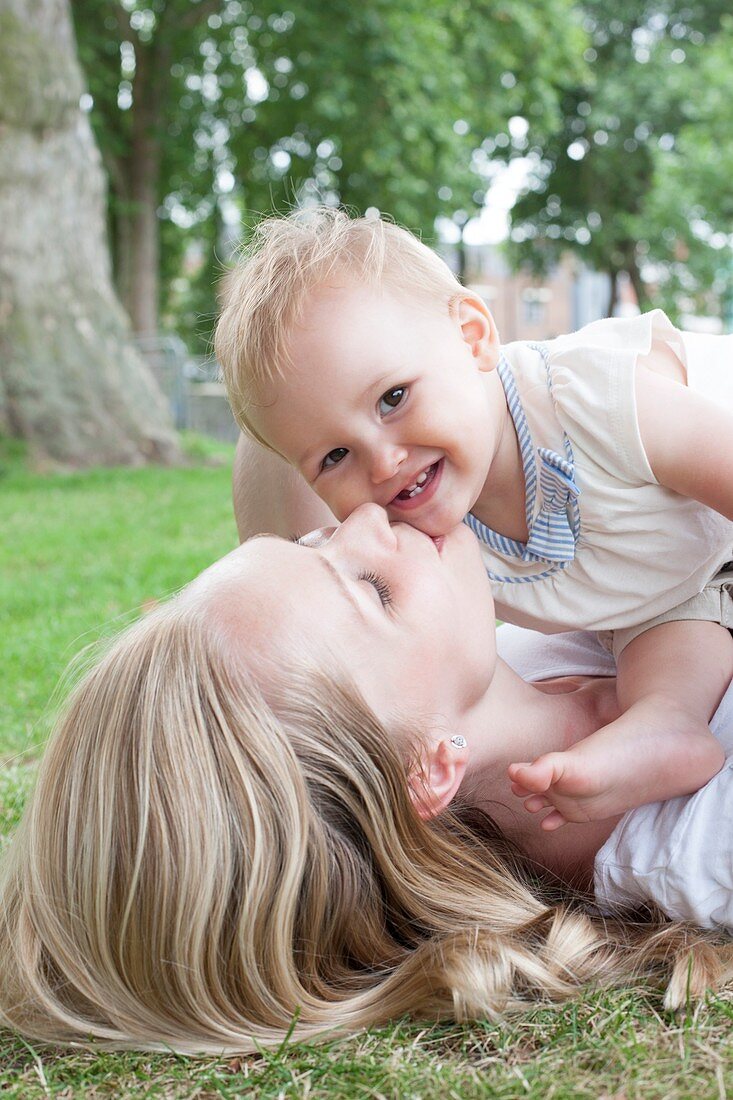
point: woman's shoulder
(535, 656)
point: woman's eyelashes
(379, 583)
(391, 399)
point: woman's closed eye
(391, 399)
(379, 583)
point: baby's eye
(334, 457)
(391, 399)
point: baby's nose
(386, 461)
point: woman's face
(410, 619)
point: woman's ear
(478, 330)
(434, 784)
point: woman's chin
(461, 554)
(471, 547)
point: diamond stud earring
(458, 740)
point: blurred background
(570, 158)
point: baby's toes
(536, 778)
(553, 821)
(535, 803)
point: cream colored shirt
(637, 549)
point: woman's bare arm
(269, 495)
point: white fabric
(642, 549)
(677, 854)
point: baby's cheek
(342, 509)
(329, 497)
(343, 503)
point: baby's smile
(421, 489)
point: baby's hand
(564, 781)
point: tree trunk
(142, 292)
(637, 282)
(612, 293)
(70, 383)
(119, 228)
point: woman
(243, 819)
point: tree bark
(637, 282)
(612, 293)
(70, 382)
(142, 292)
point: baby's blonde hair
(287, 258)
(201, 868)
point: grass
(614, 1046)
(80, 554)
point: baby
(596, 469)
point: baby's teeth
(418, 485)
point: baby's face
(387, 402)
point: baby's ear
(478, 330)
(435, 779)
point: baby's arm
(686, 435)
(670, 682)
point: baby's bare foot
(650, 753)
(568, 783)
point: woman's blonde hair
(285, 260)
(201, 868)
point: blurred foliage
(692, 202)
(637, 177)
(254, 106)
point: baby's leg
(670, 682)
(269, 495)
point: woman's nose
(367, 528)
(385, 461)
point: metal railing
(197, 399)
